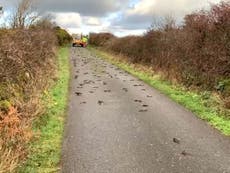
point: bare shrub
(196, 54)
(24, 15)
(100, 39)
(26, 66)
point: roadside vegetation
(45, 151)
(191, 61)
(28, 68)
(202, 103)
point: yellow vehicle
(80, 42)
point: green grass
(45, 151)
(201, 103)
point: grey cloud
(156, 11)
(127, 18)
(8, 3)
(135, 21)
(84, 7)
(97, 8)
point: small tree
(24, 15)
(169, 22)
(165, 23)
(44, 22)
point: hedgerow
(196, 54)
(27, 68)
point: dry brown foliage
(14, 132)
(100, 39)
(196, 54)
(26, 65)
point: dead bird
(125, 89)
(175, 140)
(100, 102)
(78, 93)
(143, 110)
(184, 153)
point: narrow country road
(118, 124)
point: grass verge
(203, 104)
(45, 151)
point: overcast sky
(121, 17)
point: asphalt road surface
(118, 124)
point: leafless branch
(24, 15)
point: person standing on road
(85, 41)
